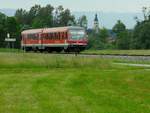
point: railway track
(116, 54)
(109, 56)
(113, 56)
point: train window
(59, 35)
(53, 35)
(63, 35)
(32, 36)
(44, 36)
(66, 35)
(49, 36)
(77, 34)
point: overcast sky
(81, 5)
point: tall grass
(31, 60)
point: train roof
(56, 29)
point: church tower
(96, 24)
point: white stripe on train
(51, 45)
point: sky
(81, 5)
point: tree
(141, 36)
(46, 15)
(33, 13)
(104, 35)
(38, 17)
(38, 23)
(12, 27)
(2, 29)
(22, 17)
(98, 40)
(141, 33)
(63, 17)
(146, 13)
(57, 18)
(82, 21)
(123, 40)
(122, 35)
(95, 42)
(43, 15)
(119, 27)
(66, 17)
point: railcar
(68, 39)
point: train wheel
(27, 49)
(77, 50)
(67, 50)
(59, 50)
(49, 51)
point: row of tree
(38, 17)
(122, 38)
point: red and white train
(69, 39)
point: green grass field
(43, 83)
(119, 52)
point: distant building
(96, 24)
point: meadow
(46, 83)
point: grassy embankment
(39, 83)
(118, 52)
(10, 50)
(114, 52)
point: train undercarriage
(69, 49)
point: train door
(40, 42)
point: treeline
(39, 17)
(48, 16)
(122, 38)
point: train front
(77, 39)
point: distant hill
(106, 19)
(8, 12)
